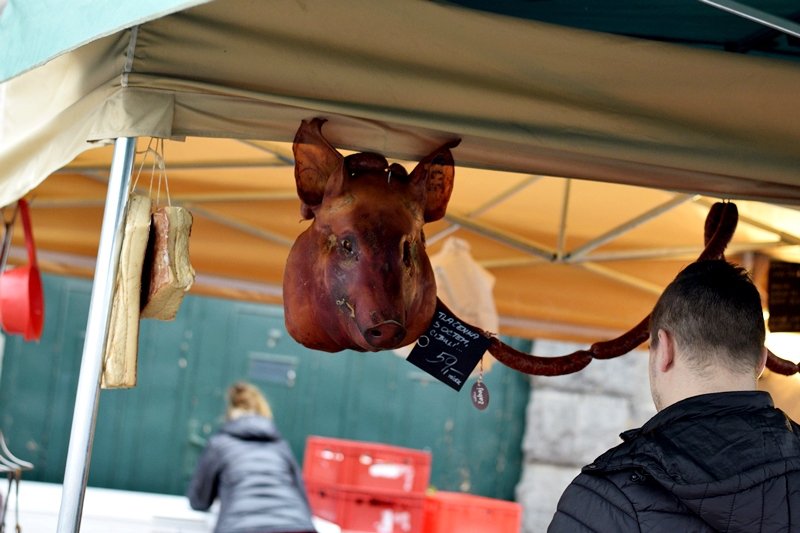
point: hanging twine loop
(158, 169)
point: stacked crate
(451, 512)
(366, 487)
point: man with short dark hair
(718, 456)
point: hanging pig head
(359, 278)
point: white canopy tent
(395, 78)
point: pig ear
(314, 161)
(436, 171)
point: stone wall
(573, 419)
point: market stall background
(587, 164)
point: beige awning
(398, 77)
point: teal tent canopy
(33, 33)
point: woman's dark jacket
(725, 462)
(252, 470)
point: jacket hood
(729, 458)
(252, 427)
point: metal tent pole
(756, 15)
(81, 437)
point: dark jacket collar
(713, 404)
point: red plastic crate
(366, 465)
(446, 512)
(367, 511)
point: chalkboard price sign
(783, 293)
(449, 350)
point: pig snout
(385, 335)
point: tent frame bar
(675, 201)
(265, 196)
(486, 206)
(756, 15)
(84, 417)
(486, 230)
(562, 227)
(243, 227)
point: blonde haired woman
(251, 469)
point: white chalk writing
(447, 360)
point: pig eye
(347, 246)
(407, 253)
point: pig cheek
(419, 270)
(341, 275)
(301, 308)
(425, 301)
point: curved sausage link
(712, 221)
(781, 366)
(728, 219)
(539, 366)
(719, 228)
(624, 343)
(527, 363)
